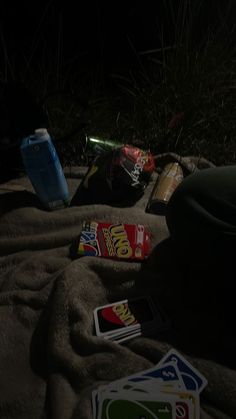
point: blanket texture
(50, 358)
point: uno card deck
(117, 241)
(122, 320)
(160, 392)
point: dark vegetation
(176, 95)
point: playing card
(149, 385)
(115, 337)
(95, 403)
(189, 397)
(114, 406)
(126, 316)
(192, 378)
(193, 403)
(125, 334)
(153, 378)
(184, 409)
(127, 337)
(183, 406)
(122, 332)
(145, 394)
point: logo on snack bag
(138, 168)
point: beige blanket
(50, 358)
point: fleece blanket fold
(50, 358)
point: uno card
(148, 385)
(152, 378)
(128, 332)
(126, 314)
(122, 333)
(189, 397)
(192, 378)
(127, 337)
(95, 403)
(160, 392)
(184, 409)
(115, 407)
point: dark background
(97, 30)
(70, 55)
(109, 32)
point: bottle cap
(41, 132)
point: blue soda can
(44, 169)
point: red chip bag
(131, 166)
(117, 177)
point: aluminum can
(167, 182)
(96, 146)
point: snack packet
(117, 177)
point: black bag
(117, 177)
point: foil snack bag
(117, 241)
(117, 177)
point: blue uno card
(163, 374)
(192, 378)
(167, 375)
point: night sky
(110, 31)
(99, 29)
(43, 35)
(95, 21)
(115, 33)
